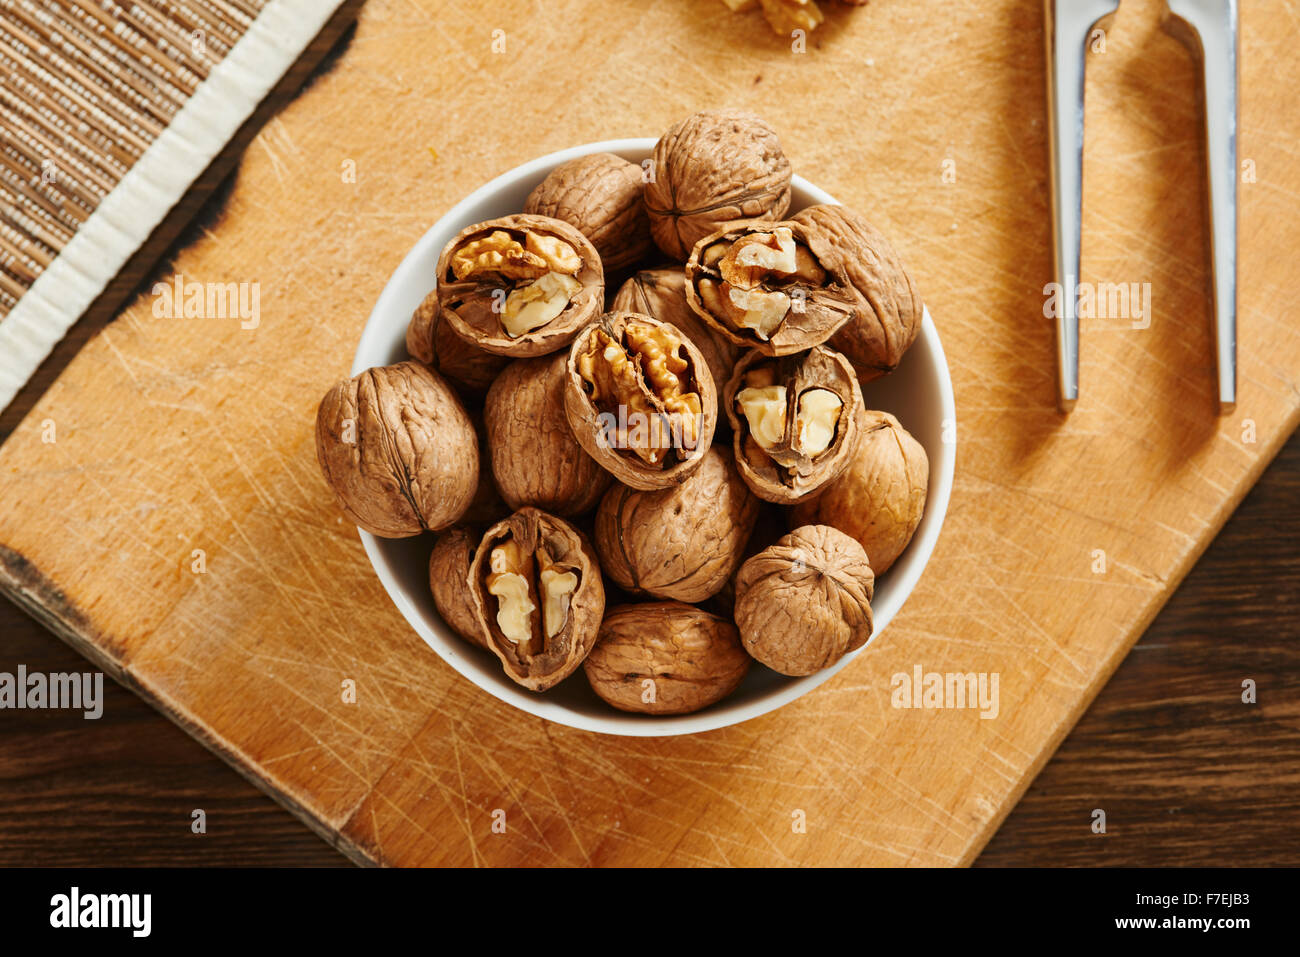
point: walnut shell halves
(398, 450)
(776, 287)
(640, 399)
(521, 285)
(662, 293)
(796, 421)
(538, 596)
(888, 308)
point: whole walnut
(600, 196)
(888, 310)
(711, 169)
(805, 602)
(448, 570)
(433, 342)
(662, 293)
(398, 450)
(535, 458)
(683, 542)
(487, 507)
(665, 658)
(880, 498)
(538, 597)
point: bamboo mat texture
(109, 111)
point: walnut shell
(478, 303)
(433, 342)
(773, 309)
(535, 458)
(711, 169)
(665, 658)
(545, 648)
(805, 602)
(662, 293)
(683, 542)
(448, 582)
(599, 195)
(398, 450)
(880, 497)
(647, 415)
(487, 507)
(888, 310)
(786, 461)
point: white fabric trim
(127, 216)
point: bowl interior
(918, 393)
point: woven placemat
(109, 111)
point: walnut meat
(786, 16)
(600, 196)
(448, 582)
(640, 399)
(662, 293)
(880, 497)
(538, 597)
(665, 658)
(520, 286)
(711, 169)
(796, 421)
(774, 287)
(805, 602)
(398, 450)
(535, 458)
(433, 342)
(887, 306)
(683, 542)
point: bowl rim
(447, 647)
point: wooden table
(1185, 776)
(1185, 773)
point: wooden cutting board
(1064, 537)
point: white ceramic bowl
(919, 393)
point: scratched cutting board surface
(171, 435)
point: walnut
(795, 420)
(640, 399)
(880, 497)
(711, 169)
(448, 581)
(433, 342)
(519, 286)
(775, 287)
(887, 306)
(665, 658)
(535, 458)
(398, 449)
(538, 597)
(662, 293)
(600, 195)
(786, 16)
(683, 542)
(805, 602)
(487, 507)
